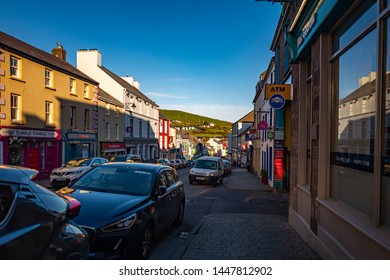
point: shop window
(352, 149)
(385, 188)
(16, 154)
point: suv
(35, 223)
(68, 172)
(207, 170)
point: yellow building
(47, 107)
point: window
(131, 127)
(86, 91)
(16, 115)
(148, 130)
(14, 67)
(49, 111)
(86, 120)
(354, 69)
(116, 131)
(72, 117)
(117, 109)
(107, 110)
(72, 86)
(107, 131)
(48, 78)
(140, 129)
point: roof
(104, 96)
(248, 118)
(127, 86)
(23, 49)
(162, 116)
(245, 128)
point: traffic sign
(277, 101)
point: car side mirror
(95, 164)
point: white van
(207, 170)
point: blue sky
(199, 56)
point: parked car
(227, 167)
(126, 205)
(35, 222)
(174, 164)
(180, 163)
(126, 158)
(190, 163)
(163, 161)
(207, 170)
(73, 169)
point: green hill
(203, 126)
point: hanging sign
(282, 89)
(277, 101)
(262, 125)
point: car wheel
(221, 180)
(191, 182)
(180, 215)
(215, 182)
(146, 245)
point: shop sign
(278, 165)
(270, 134)
(277, 101)
(7, 132)
(279, 134)
(111, 146)
(282, 89)
(85, 136)
(262, 125)
(306, 29)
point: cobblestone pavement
(245, 236)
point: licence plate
(61, 179)
(199, 178)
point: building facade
(243, 124)
(141, 114)
(111, 116)
(340, 186)
(46, 107)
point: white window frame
(49, 112)
(107, 109)
(116, 131)
(16, 108)
(86, 91)
(48, 77)
(72, 86)
(107, 131)
(14, 67)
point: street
(203, 200)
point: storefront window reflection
(353, 142)
(16, 154)
(385, 191)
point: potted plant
(264, 176)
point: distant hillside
(203, 126)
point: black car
(35, 222)
(126, 205)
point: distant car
(126, 158)
(35, 222)
(207, 170)
(174, 164)
(73, 169)
(227, 166)
(190, 163)
(163, 161)
(180, 163)
(126, 205)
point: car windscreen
(83, 162)
(117, 179)
(206, 164)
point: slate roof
(25, 50)
(127, 86)
(104, 96)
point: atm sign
(282, 89)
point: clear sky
(198, 56)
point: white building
(141, 116)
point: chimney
(59, 52)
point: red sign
(278, 165)
(262, 125)
(111, 146)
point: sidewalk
(236, 236)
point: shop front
(78, 145)
(108, 149)
(34, 148)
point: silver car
(73, 169)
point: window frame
(16, 109)
(15, 69)
(49, 113)
(49, 75)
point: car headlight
(120, 225)
(191, 171)
(211, 174)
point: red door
(33, 157)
